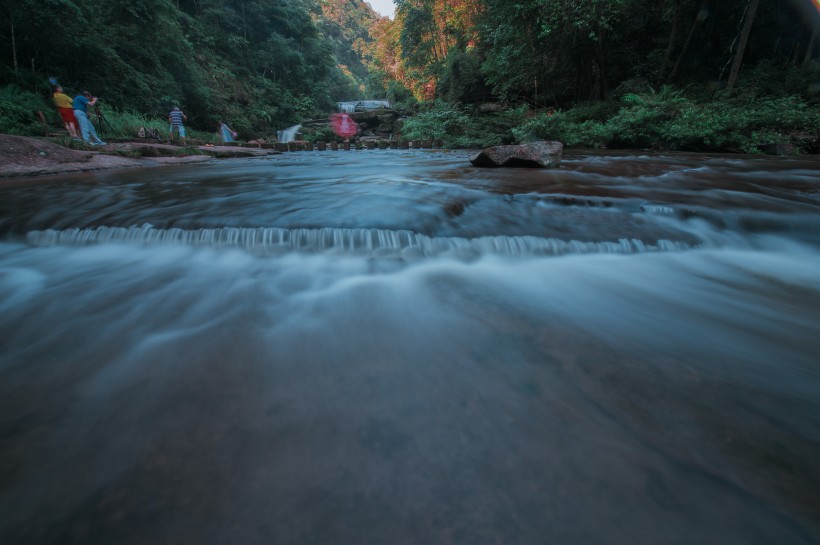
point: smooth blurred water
(395, 347)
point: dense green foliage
(633, 73)
(260, 64)
(16, 110)
(645, 73)
(668, 120)
(561, 52)
(458, 126)
(347, 23)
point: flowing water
(395, 347)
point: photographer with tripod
(81, 104)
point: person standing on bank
(65, 107)
(176, 117)
(227, 133)
(81, 103)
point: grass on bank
(669, 121)
(662, 120)
(18, 116)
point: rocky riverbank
(25, 156)
(382, 124)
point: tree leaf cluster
(563, 52)
(260, 64)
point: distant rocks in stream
(541, 154)
(381, 124)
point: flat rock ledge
(26, 156)
(542, 154)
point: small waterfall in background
(362, 105)
(289, 134)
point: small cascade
(362, 105)
(289, 134)
(380, 242)
(659, 209)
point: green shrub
(543, 126)
(127, 124)
(640, 121)
(498, 127)
(772, 79)
(598, 110)
(561, 127)
(459, 127)
(741, 125)
(439, 121)
(668, 120)
(323, 133)
(18, 111)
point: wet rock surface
(24, 156)
(543, 154)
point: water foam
(382, 242)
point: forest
(723, 75)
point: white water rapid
(393, 347)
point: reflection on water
(393, 347)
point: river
(395, 347)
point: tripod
(102, 121)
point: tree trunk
(578, 77)
(600, 54)
(777, 44)
(446, 30)
(810, 48)
(698, 18)
(535, 96)
(668, 56)
(244, 27)
(14, 49)
(741, 47)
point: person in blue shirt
(175, 118)
(81, 103)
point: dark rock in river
(543, 154)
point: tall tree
(429, 29)
(741, 46)
(261, 62)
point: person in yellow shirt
(66, 109)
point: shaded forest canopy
(266, 64)
(560, 52)
(258, 63)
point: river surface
(395, 347)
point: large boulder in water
(543, 154)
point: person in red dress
(344, 126)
